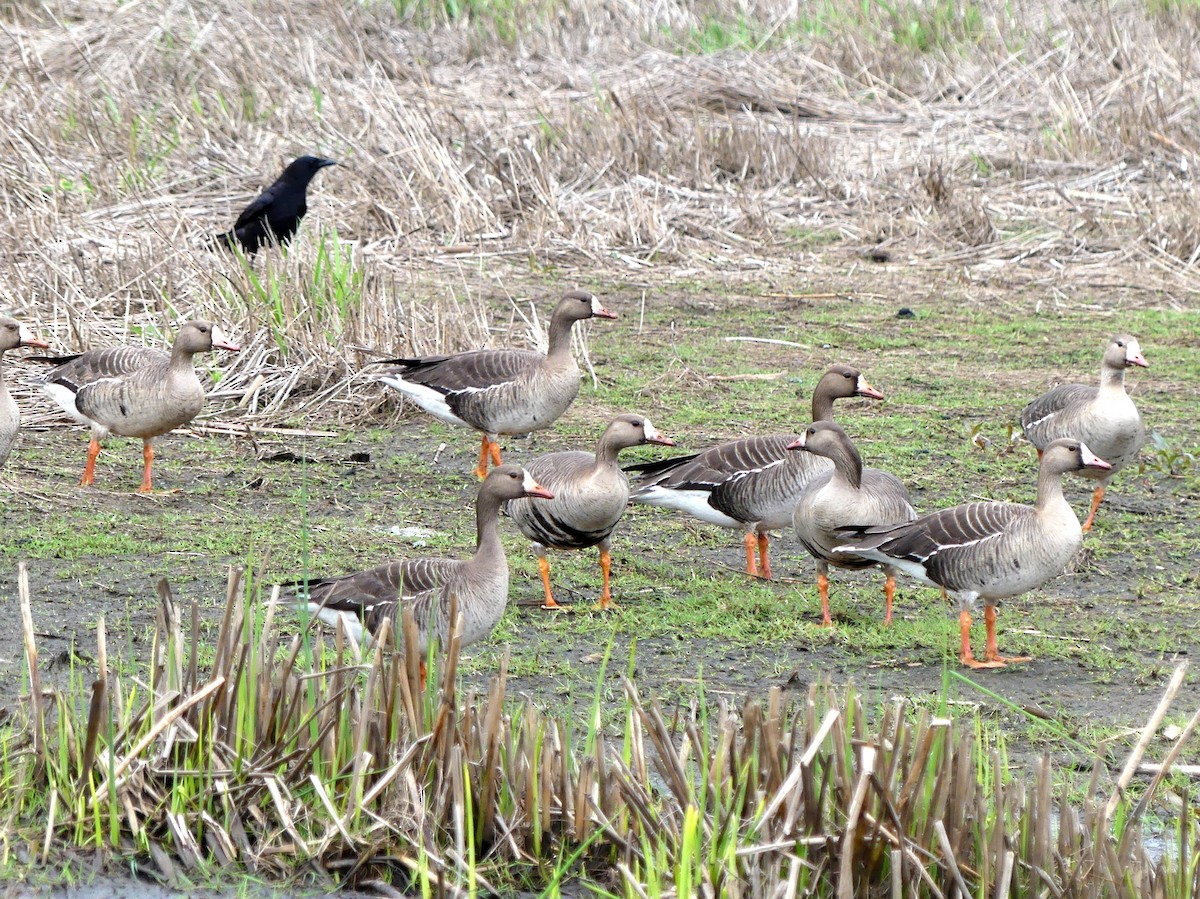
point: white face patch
(529, 483)
(25, 335)
(1090, 459)
(596, 307)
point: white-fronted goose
(500, 391)
(13, 334)
(590, 494)
(750, 484)
(479, 583)
(134, 391)
(848, 495)
(1103, 417)
(987, 550)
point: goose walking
(13, 334)
(1103, 417)
(480, 584)
(133, 391)
(847, 495)
(590, 495)
(987, 550)
(501, 391)
(750, 484)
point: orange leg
(889, 594)
(992, 653)
(765, 567)
(751, 565)
(823, 589)
(495, 449)
(964, 653)
(481, 469)
(1097, 496)
(89, 470)
(544, 570)
(1039, 455)
(148, 458)
(423, 673)
(606, 602)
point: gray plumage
(480, 583)
(847, 495)
(750, 484)
(1103, 417)
(13, 334)
(987, 550)
(591, 493)
(500, 391)
(134, 391)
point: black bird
(274, 216)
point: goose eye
(848, 376)
(1120, 343)
(636, 423)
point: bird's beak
(28, 338)
(799, 443)
(533, 488)
(599, 311)
(865, 389)
(1137, 359)
(654, 435)
(325, 162)
(221, 342)
(1091, 460)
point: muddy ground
(1107, 634)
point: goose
(133, 391)
(1103, 417)
(363, 600)
(500, 391)
(13, 334)
(987, 550)
(274, 215)
(749, 484)
(847, 495)
(590, 494)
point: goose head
(200, 336)
(1067, 454)
(512, 482)
(824, 438)
(578, 305)
(840, 381)
(634, 430)
(13, 334)
(1122, 352)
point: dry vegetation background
(1018, 148)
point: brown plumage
(133, 391)
(750, 484)
(13, 334)
(480, 583)
(847, 495)
(500, 391)
(987, 550)
(1103, 417)
(590, 495)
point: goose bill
(654, 435)
(533, 488)
(221, 342)
(599, 311)
(1091, 460)
(865, 389)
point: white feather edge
(432, 401)
(692, 502)
(65, 397)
